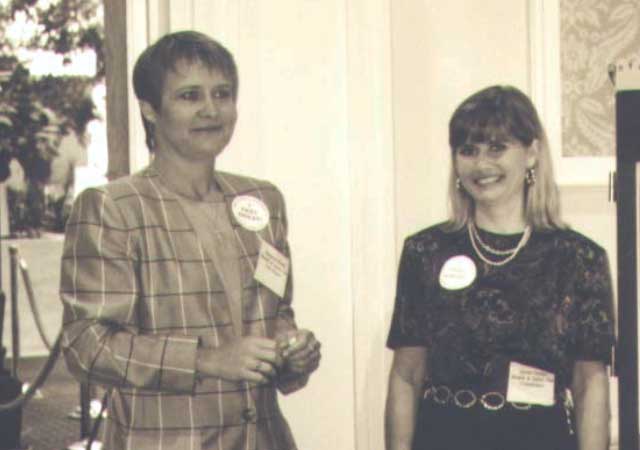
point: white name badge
(272, 269)
(250, 212)
(530, 385)
(457, 272)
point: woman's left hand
(300, 351)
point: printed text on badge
(272, 269)
(250, 212)
(530, 385)
(458, 272)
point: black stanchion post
(85, 410)
(15, 319)
(3, 302)
(10, 386)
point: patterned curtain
(593, 34)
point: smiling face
(196, 116)
(493, 172)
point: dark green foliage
(70, 25)
(36, 111)
(66, 25)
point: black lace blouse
(548, 307)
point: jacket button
(249, 415)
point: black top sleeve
(406, 324)
(592, 307)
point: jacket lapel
(248, 241)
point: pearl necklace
(487, 247)
(511, 253)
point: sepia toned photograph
(302, 224)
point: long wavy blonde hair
(504, 111)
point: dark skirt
(449, 427)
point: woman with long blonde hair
(503, 323)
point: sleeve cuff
(179, 364)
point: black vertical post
(627, 158)
(85, 410)
(15, 319)
(10, 387)
(3, 302)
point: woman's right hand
(248, 358)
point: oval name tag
(250, 212)
(458, 272)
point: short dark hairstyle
(152, 66)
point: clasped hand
(258, 359)
(300, 351)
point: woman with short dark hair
(172, 299)
(503, 326)
(156, 61)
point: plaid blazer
(140, 295)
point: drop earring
(530, 176)
(458, 184)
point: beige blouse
(210, 219)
